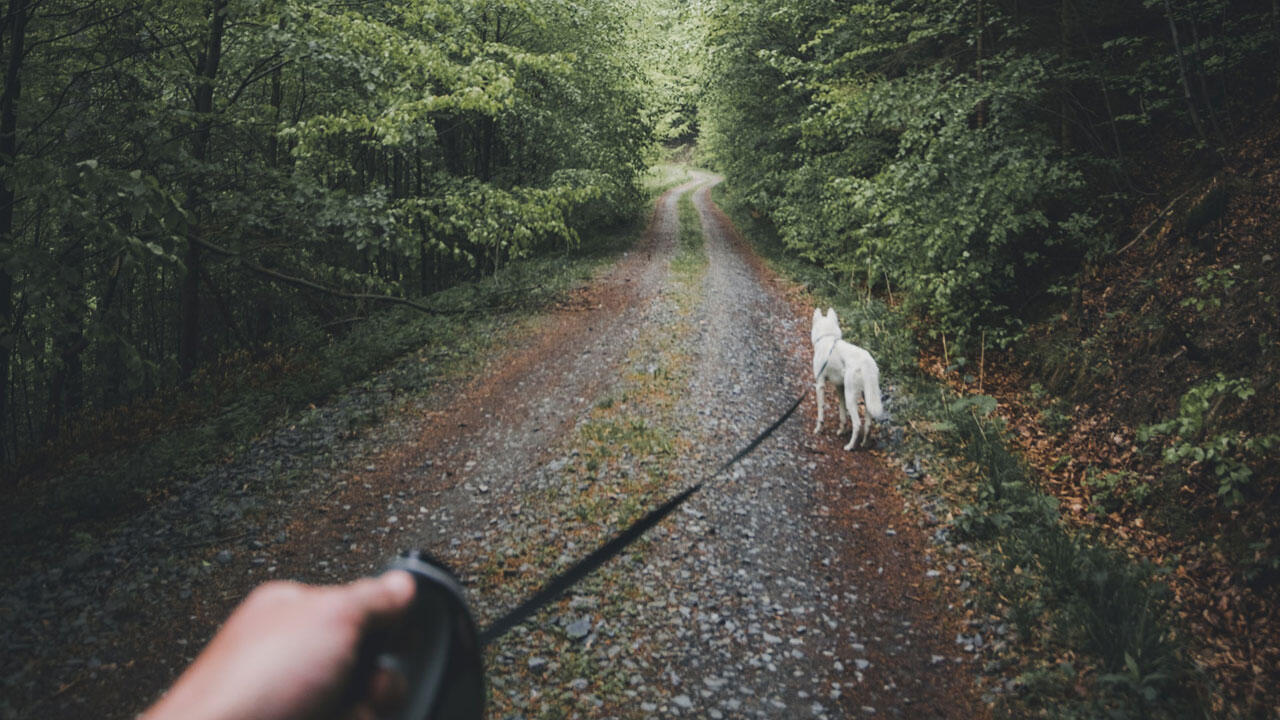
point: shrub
(1200, 444)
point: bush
(1199, 443)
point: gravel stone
(579, 628)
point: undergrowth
(142, 453)
(1095, 633)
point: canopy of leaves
(187, 178)
(966, 154)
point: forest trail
(795, 587)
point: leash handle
(435, 649)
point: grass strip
(690, 259)
(620, 463)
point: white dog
(850, 368)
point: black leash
(567, 579)
(438, 650)
(611, 549)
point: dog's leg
(866, 428)
(817, 388)
(844, 413)
(850, 398)
(869, 387)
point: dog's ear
(817, 314)
(831, 313)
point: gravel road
(796, 586)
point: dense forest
(973, 154)
(1073, 204)
(185, 180)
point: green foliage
(1055, 416)
(1087, 596)
(1263, 564)
(1115, 490)
(864, 319)
(181, 169)
(1117, 612)
(673, 67)
(1213, 284)
(231, 405)
(965, 155)
(937, 183)
(1197, 441)
(1066, 590)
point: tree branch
(256, 74)
(1158, 216)
(312, 285)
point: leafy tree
(179, 180)
(966, 153)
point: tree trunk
(1275, 32)
(1111, 116)
(277, 99)
(1064, 106)
(447, 128)
(189, 298)
(1204, 86)
(1182, 72)
(66, 388)
(484, 171)
(110, 364)
(17, 25)
(982, 104)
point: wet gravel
(773, 593)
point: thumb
(382, 599)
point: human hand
(288, 652)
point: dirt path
(794, 588)
(815, 573)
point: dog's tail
(871, 392)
